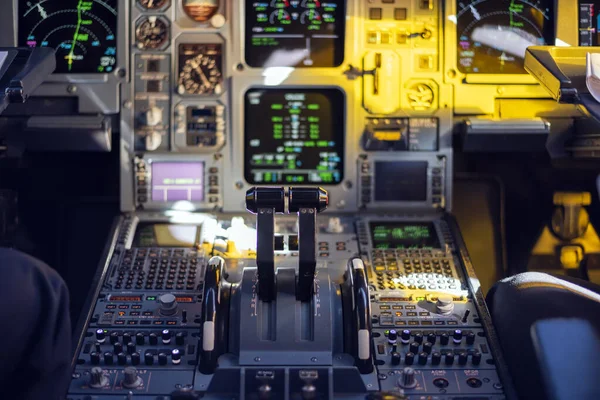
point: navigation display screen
(589, 22)
(392, 235)
(493, 35)
(165, 235)
(177, 181)
(295, 33)
(294, 136)
(401, 181)
(84, 33)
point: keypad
(159, 269)
(415, 269)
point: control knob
(392, 337)
(176, 356)
(396, 358)
(140, 338)
(471, 338)
(95, 358)
(409, 359)
(100, 336)
(423, 358)
(122, 358)
(445, 304)
(131, 379)
(166, 336)
(152, 117)
(405, 337)
(97, 378)
(168, 304)
(407, 379)
(457, 336)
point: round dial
(152, 4)
(84, 33)
(152, 33)
(280, 17)
(493, 35)
(200, 70)
(201, 10)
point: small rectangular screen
(493, 35)
(295, 33)
(165, 235)
(177, 181)
(294, 136)
(83, 33)
(401, 181)
(589, 22)
(394, 235)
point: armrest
(567, 351)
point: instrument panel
(358, 97)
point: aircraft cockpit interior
(300, 199)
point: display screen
(493, 35)
(295, 33)
(84, 33)
(393, 235)
(165, 235)
(401, 181)
(177, 181)
(294, 136)
(589, 23)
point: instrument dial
(152, 33)
(200, 69)
(152, 4)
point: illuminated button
(397, 307)
(386, 38)
(426, 62)
(400, 14)
(401, 37)
(426, 4)
(384, 307)
(373, 37)
(375, 13)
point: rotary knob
(396, 358)
(392, 337)
(407, 379)
(131, 378)
(97, 378)
(152, 117)
(168, 304)
(445, 304)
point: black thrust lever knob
(316, 198)
(266, 197)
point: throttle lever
(265, 202)
(361, 305)
(210, 305)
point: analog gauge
(152, 4)
(201, 10)
(200, 69)
(152, 33)
(280, 17)
(310, 17)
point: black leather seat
(516, 303)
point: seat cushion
(516, 303)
